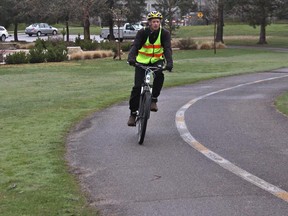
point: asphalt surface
(27, 38)
(233, 117)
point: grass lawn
(238, 34)
(41, 102)
(282, 103)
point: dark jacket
(141, 38)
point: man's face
(154, 24)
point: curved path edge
(190, 140)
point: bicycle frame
(143, 113)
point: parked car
(40, 28)
(3, 33)
(128, 31)
(138, 26)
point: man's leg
(157, 86)
(135, 95)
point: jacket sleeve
(166, 43)
(137, 44)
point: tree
(282, 12)
(5, 16)
(23, 11)
(259, 13)
(128, 10)
(187, 6)
(168, 8)
(133, 7)
(216, 12)
(13, 12)
(64, 10)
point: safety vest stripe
(158, 55)
(152, 46)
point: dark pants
(136, 90)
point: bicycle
(143, 113)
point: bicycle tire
(144, 114)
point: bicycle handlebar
(145, 67)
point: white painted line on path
(188, 138)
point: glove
(169, 68)
(132, 62)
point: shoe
(153, 107)
(131, 121)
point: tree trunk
(220, 23)
(111, 32)
(262, 37)
(86, 23)
(67, 30)
(15, 31)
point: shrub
(104, 55)
(40, 44)
(206, 46)
(76, 56)
(52, 50)
(17, 58)
(2, 53)
(220, 45)
(87, 44)
(87, 55)
(97, 55)
(91, 54)
(186, 44)
(56, 54)
(25, 45)
(126, 46)
(36, 55)
(55, 41)
(107, 45)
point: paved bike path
(166, 176)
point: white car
(3, 33)
(138, 26)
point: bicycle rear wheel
(144, 114)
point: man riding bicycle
(152, 46)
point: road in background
(25, 37)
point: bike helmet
(154, 15)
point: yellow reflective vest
(151, 53)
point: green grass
(231, 30)
(41, 102)
(238, 34)
(282, 103)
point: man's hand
(131, 62)
(169, 68)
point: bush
(52, 50)
(126, 46)
(108, 45)
(206, 46)
(40, 44)
(56, 54)
(87, 44)
(76, 56)
(186, 44)
(17, 58)
(36, 55)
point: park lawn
(237, 34)
(282, 103)
(40, 103)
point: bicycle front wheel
(144, 114)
